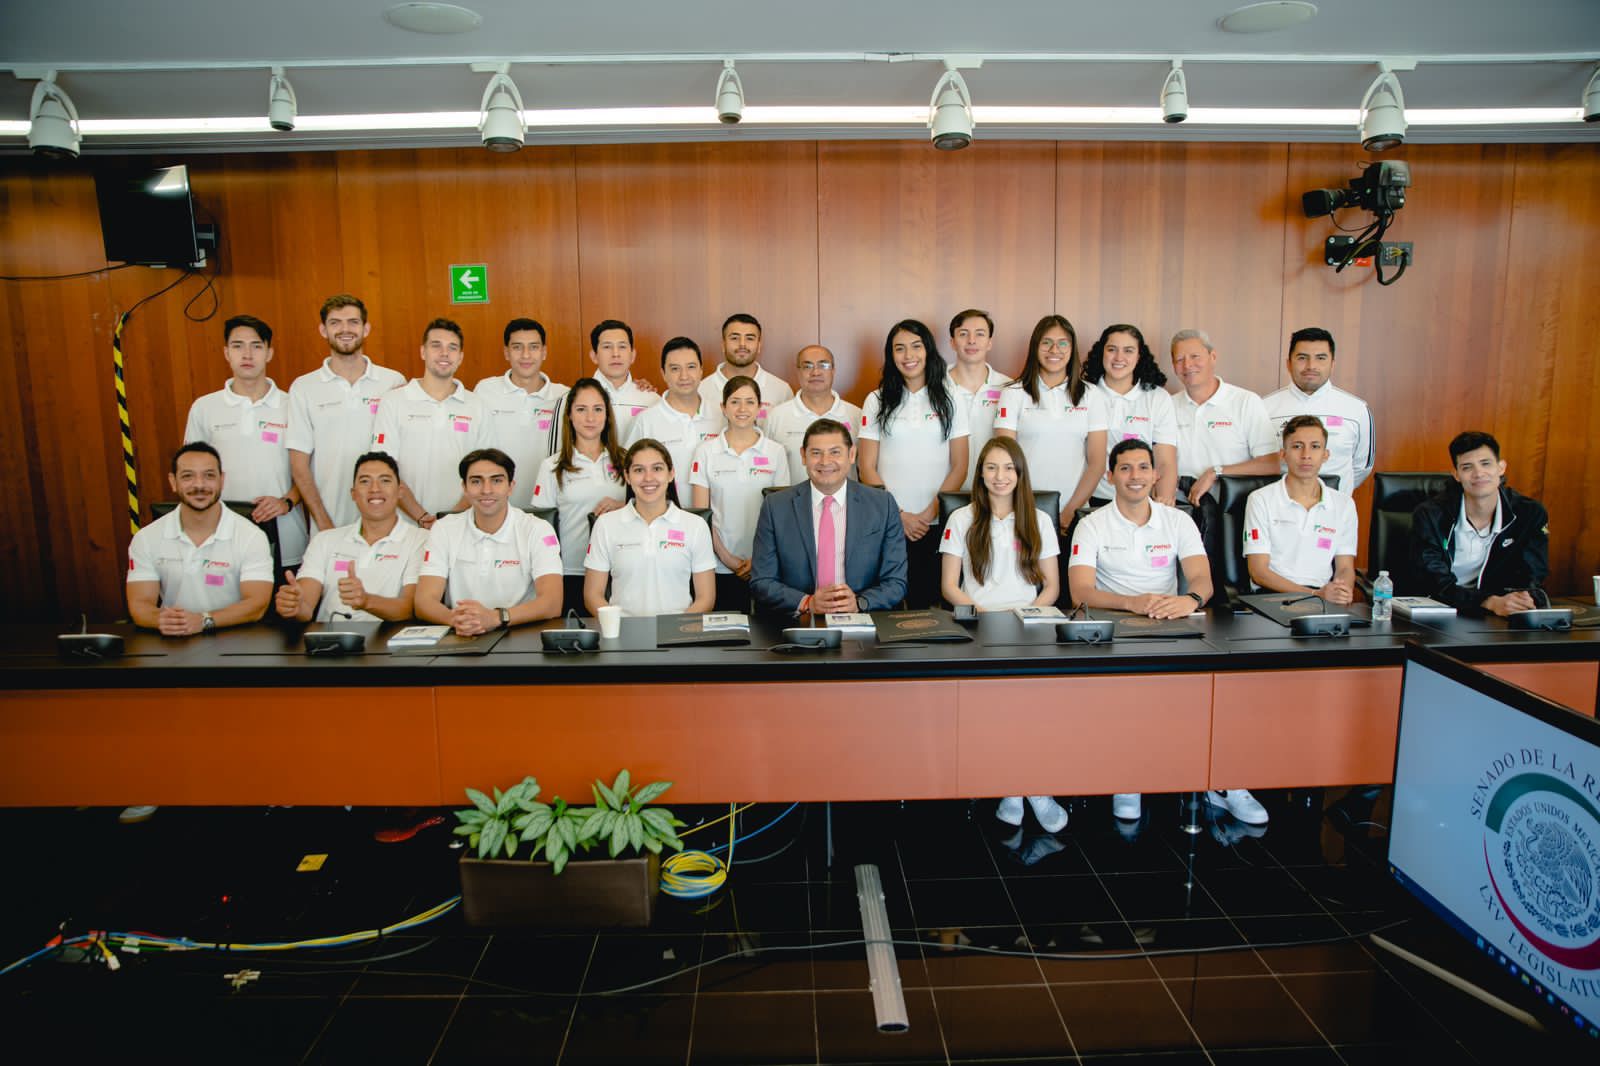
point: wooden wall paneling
(414, 213)
(676, 237)
(1171, 236)
(905, 231)
(1422, 351)
(65, 511)
(1548, 342)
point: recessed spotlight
(432, 18)
(1264, 18)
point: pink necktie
(825, 545)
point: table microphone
(1085, 630)
(1553, 619)
(1326, 624)
(86, 645)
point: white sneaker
(132, 815)
(1126, 805)
(1239, 803)
(1052, 816)
(1010, 810)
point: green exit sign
(469, 284)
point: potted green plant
(556, 886)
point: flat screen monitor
(146, 216)
(1497, 828)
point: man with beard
(200, 567)
(741, 348)
(366, 571)
(331, 411)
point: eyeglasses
(1048, 345)
(809, 367)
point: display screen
(1497, 828)
(146, 216)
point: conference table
(246, 716)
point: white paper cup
(610, 621)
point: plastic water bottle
(1383, 597)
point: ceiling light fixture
(1591, 98)
(1383, 112)
(433, 18)
(950, 111)
(1264, 18)
(53, 121)
(1175, 94)
(500, 119)
(282, 107)
(729, 95)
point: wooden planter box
(590, 893)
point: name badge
(1160, 562)
(462, 425)
(1324, 542)
(1333, 420)
(216, 579)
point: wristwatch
(1199, 602)
(505, 618)
(207, 623)
(1217, 470)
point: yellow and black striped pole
(127, 425)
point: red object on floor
(394, 836)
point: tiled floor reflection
(1106, 943)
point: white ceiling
(1537, 53)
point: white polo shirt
(497, 569)
(203, 577)
(788, 422)
(330, 420)
(384, 567)
(1470, 549)
(1231, 427)
(574, 497)
(1143, 414)
(652, 564)
(1347, 419)
(628, 401)
(736, 480)
(1302, 542)
(1004, 587)
(523, 425)
(680, 433)
(913, 451)
(774, 390)
(1053, 431)
(428, 438)
(982, 407)
(1131, 560)
(252, 438)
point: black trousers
(922, 570)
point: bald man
(814, 398)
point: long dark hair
(569, 439)
(1146, 373)
(980, 537)
(645, 444)
(892, 385)
(1032, 371)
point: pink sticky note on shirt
(993, 394)
(675, 535)
(462, 427)
(551, 540)
(1131, 436)
(341, 566)
(761, 413)
(544, 423)
(216, 579)
(761, 460)
(1324, 542)
(1159, 562)
(372, 407)
(635, 410)
(270, 436)
(1333, 420)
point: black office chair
(1394, 497)
(242, 508)
(1230, 571)
(549, 514)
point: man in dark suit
(828, 544)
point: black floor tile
(392, 1031)
(505, 1029)
(777, 1027)
(835, 905)
(955, 960)
(1060, 900)
(621, 961)
(1363, 1008)
(847, 1030)
(843, 968)
(1443, 1054)
(964, 901)
(1126, 1016)
(1278, 1056)
(1348, 887)
(1265, 932)
(1243, 1012)
(531, 962)
(638, 1030)
(988, 1023)
(738, 963)
(763, 908)
(1164, 1058)
(1200, 933)
(1243, 891)
(241, 1029)
(429, 966)
(1149, 897)
(1021, 854)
